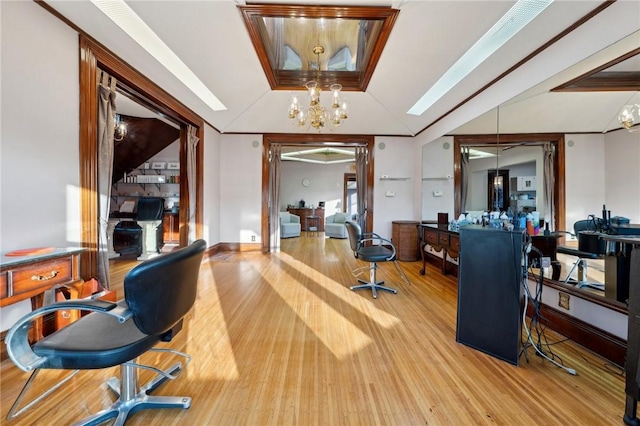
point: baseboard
(599, 341)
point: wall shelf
(394, 178)
(437, 178)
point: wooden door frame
(291, 139)
(348, 177)
(94, 56)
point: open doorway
(274, 142)
(135, 85)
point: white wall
(437, 176)
(396, 160)
(584, 177)
(326, 184)
(39, 134)
(211, 189)
(622, 177)
(240, 188)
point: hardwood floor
(280, 339)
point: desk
(24, 277)
(304, 212)
(440, 238)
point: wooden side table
(404, 235)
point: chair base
(132, 398)
(374, 287)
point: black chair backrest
(161, 290)
(584, 225)
(150, 208)
(355, 234)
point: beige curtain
(274, 197)
(549, 185)
(192, 154)
(106, 124)
(465, 172)
(361, 184)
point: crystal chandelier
(315, 115)
(628, 116)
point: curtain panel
(106, 125)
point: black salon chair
(158, 294)
(580, 229)
(144, 234)
(371, 248)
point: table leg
(36, 302)
(424, 259)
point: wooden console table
(304, 212)
(29, 276)
(440, 238)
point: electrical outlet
(563, 300)
(253, 238)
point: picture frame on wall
(158, 165)
(173, 165)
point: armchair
(158, 294)
(289, 225)
(334, 225)
(372, 248)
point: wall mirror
(520, 157)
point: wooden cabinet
(304, 212)
(440, 238)
(29, 276)
(171, 227)
(404, 235)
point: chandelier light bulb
(628, 115)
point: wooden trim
(597, 80)
(312, 140)
(599, 341)
(602, 6)
(92, 57)
(294, 79)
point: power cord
(527, 249)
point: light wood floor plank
(281, 340)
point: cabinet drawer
(430, 236)
(23, 279)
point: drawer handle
(47, 277)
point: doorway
(93, 57)
(271, 141)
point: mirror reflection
(572, 231)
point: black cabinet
(489, 291)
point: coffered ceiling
(569, 39)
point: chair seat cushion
(374, 253)
(94, 341)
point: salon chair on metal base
(158, 294)
(588, 248)
(372, 248)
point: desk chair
(158, 294)
(369, 247)
(582, 256)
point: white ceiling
(428, 37)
